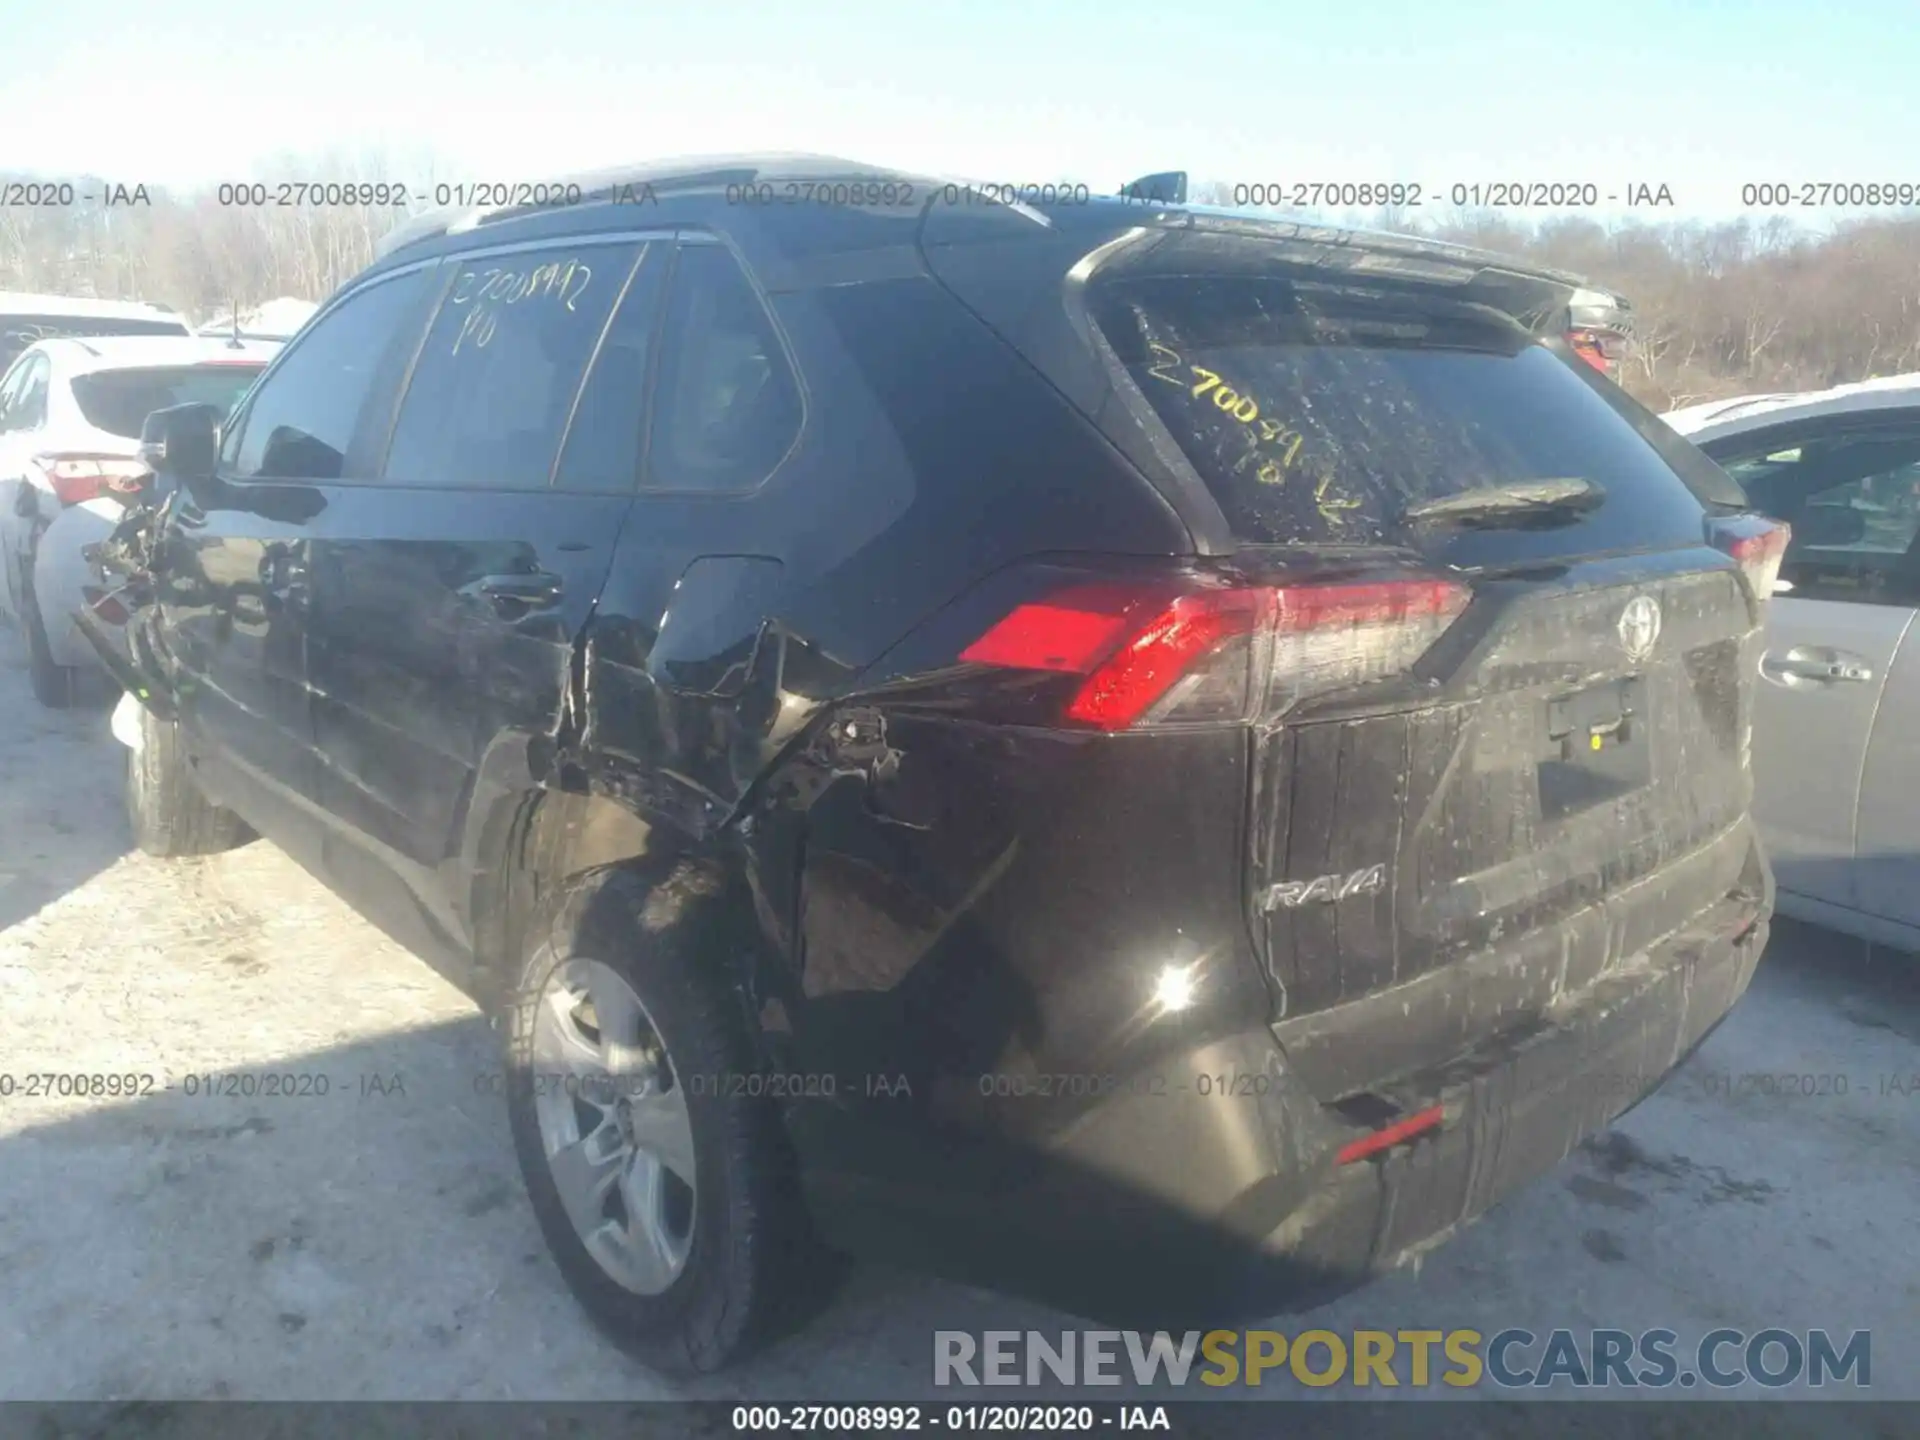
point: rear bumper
(1514, 1114)
(1217, 1187)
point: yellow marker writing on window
(1330, 505)
(1244, 408)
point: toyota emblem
(1640, 627)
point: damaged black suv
(1157, 759)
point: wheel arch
(531, 845)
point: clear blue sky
(1700, 96)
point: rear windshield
(1317, 413)
(17, 332)
(119, 401)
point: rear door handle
(1815, 665)
(531, 590)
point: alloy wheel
(614, 1124)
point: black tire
(752, 1263)
(52, 682)
(169, 815)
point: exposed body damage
(989, 890)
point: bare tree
(1720, 309)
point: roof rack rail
(620, 183)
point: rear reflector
(1154, 656)
(1759, 546)
(86, 477)
(1395, 1134)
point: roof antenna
(234, 342)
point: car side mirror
(182, 443)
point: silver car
(1836, 736)
(71, 411)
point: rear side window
(1851, 492)
(602, 449)
(12, 387)
(119, 401)
(1317, 413)
(27, 407)
(301, 419)
(727, 406)
(496, 379)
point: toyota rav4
(1147, 757)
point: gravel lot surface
(374, 1241)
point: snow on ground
(373, 1241)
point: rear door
(1831, 759)
(681, 681)
(232, 587)
(447, 596)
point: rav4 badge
(1292, 894)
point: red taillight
(1162, 654)
(1588, 349)
(1759, 546)
(1602, 349)
(1151, 656)
(1070, 632)
(86, 477)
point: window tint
(230, 432)
(119, 401)
(1317, 412)
(11, 388)
(14, 339)
(301, 419)
(502, 363)
(603, 442)
(1852, 497)
(28, 410)
(726, 405)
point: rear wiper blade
(1520, 501)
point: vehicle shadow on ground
(349, 1223)
(1878, 984)
(361, 1232)
(61, 820)
(233, 1235)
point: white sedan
(70, 416)
(1836, 731)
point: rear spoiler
(1539, 298)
